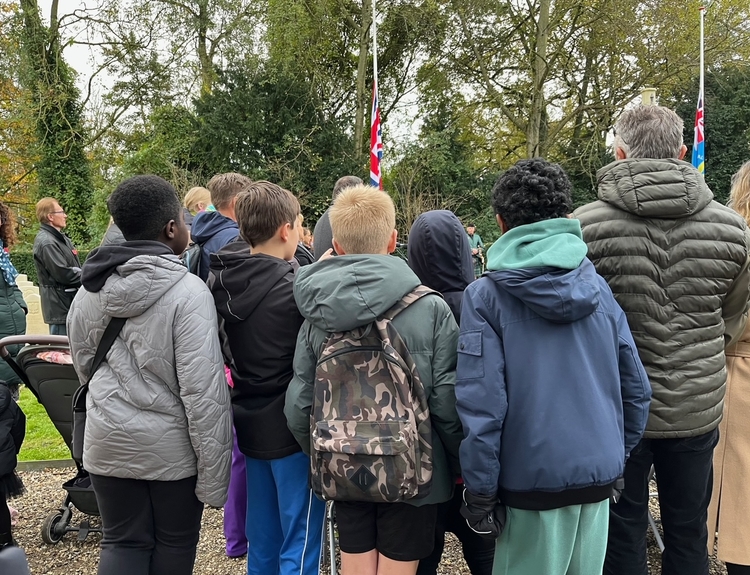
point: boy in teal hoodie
(550, 389)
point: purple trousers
(235, 508)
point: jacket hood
(649, 188)
(242, 280)
(104, 261)
(558, 295)
(207, 224)
(554, 243)
(136, 284)
(439, 252)
(345, 292)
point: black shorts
(399, 531)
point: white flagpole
(702, 73)
(375, 49)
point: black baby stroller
(44, 366)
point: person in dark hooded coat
(253, 293)
(440, 254)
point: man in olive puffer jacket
(677, 262)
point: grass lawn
(42, 439)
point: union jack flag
(699, 151)
(376, 141)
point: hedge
(23, 259)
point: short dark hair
(345, 182)
(142, 205)
(262, 208)
(532, 191)
(224, 187)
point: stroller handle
(30, 339)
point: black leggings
(733, 569)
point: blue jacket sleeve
(636, 389)
(481, 398)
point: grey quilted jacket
(158, 407)
(677, 262)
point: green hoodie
(550, 243)
(344, 292)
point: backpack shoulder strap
(416, 294)
(113, 329)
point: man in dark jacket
(254, 297)
(549, 386)
(57, 266)
(677, 262)
(322, 235)
(213, 230)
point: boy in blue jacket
(550, 389)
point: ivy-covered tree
(63, 167)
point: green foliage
(727, 123)
(63, 167)
(43, 442)
(438, 172)
(23, 260)
(269, 125)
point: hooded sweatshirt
(158, 407)
(550, 389)
(440, 255)
(212, 231)
(345, 292)
(254, 296)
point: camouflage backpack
(371, 434)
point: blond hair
(224, 187)
(44, 208)
(740, 194)
(362, 220)
(195, 196)
(262, 208)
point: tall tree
(727, 122)
(63, 166)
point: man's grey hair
(649, 132)
(344, 183)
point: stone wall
(34, 322)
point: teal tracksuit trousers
(567, 541)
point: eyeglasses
(58, 212)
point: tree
(63, 167)
(727, 122)
(547, 69)
(266, 123)
(17, 137)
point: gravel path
(69, 557)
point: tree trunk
(539, 75)
(204, 59)
(364, 45)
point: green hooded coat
(344, 292)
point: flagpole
(375, 46)
(699, 141)
(702, 64)
(376, 140)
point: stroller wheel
(52, 530)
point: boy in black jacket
(253, 294)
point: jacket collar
(55, 232)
